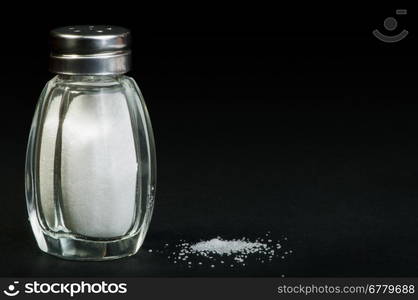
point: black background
(289, 119)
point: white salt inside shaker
(98, 165)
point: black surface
(296, 121)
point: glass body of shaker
(90, 168)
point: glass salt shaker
(90, 163)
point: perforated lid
(90, 50)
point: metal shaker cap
(90, 50)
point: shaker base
(71, 248)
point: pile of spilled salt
(221, 247)
(218, 251)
